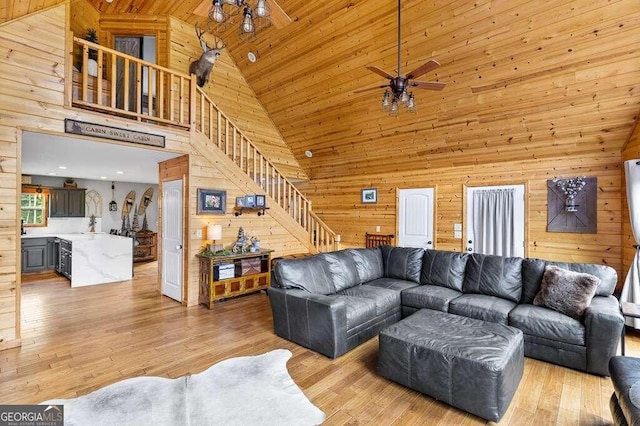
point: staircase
(180, 102)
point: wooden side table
(631, 310)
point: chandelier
(391, 100)
(254, 17)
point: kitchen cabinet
(145, 246)
(64, 261)
(66, 202)
(52, 253)
(34, 254)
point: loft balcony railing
(126, 86)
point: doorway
(141, 47)
(415, 217)
(172, 244)
(495, 220)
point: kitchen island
(99, 258)
(93, 258)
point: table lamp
(214, 232)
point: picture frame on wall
(239, 201)
(369, 195)
(211, 201)
(250, 200)
(261, 200)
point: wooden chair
(375, 240)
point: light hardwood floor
(78, 340)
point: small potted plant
(92, 223)
(70, 183)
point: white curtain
(493, 221)
(631, 289)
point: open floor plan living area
(276, 212)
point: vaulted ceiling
(525, 79)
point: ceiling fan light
(247, 29)
(386, 101)
(232, 7)
(411, 104)
(216, 13)
(395, 110)
(262, 9)
(405, 96)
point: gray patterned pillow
(565, 291)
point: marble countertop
(97, 236)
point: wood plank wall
(337, 201)
(32, 63)
(230, 91)
(630, 151)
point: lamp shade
(214, 232)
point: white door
(484, 226)
(415, 217)
(172, 239)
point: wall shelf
(260, 210)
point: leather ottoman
(473, 365)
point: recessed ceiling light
(62, 167)
(103, 177)
(251, 56)
(120, 172)
(52, 174)
(308, 154)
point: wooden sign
(585, 217)
(107, 132)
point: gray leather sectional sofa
(332, 302)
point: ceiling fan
(400, 84)
(278, 17)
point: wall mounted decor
(250, 200)
(239, 201)
(127, 204)
(145, 201)
(369, 195)
(93, 203)
(572, 205)
(261, 200)
(211, 201)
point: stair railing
(155, 94)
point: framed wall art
(369, 195)
(211, 201)
(261, 200)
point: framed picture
(211, 201)
(369, 195)
(250, 200)
(260, 201)
(239, 201)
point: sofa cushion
(359, 310)
(547, 323)
(443, 268)
(533, 270)
(308, 273)
(429, 296)
(482, 307)
(392, 284)
(403, 263)
(565, 291)
(342, 269)
(368, 263)
(384, 299)
(494, 276)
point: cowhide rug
(252, 390)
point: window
(33, 206)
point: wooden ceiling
(525, 79)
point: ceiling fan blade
(370, 88)
(278, 16)
(423, 69)
(431, 85)
(380, 72)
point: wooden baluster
(99, 79)
(114, 64)
(125, 83)
(226, 136)
(255, 155)
(150, 79)
(161, 95)
(241, 157)
(201, 112)
(138, 88)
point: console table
(252, 272)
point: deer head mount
(204, 64)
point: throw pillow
(565, 291)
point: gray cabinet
(38, 254)
(64, 262)
(34, 254)
(66, 202)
